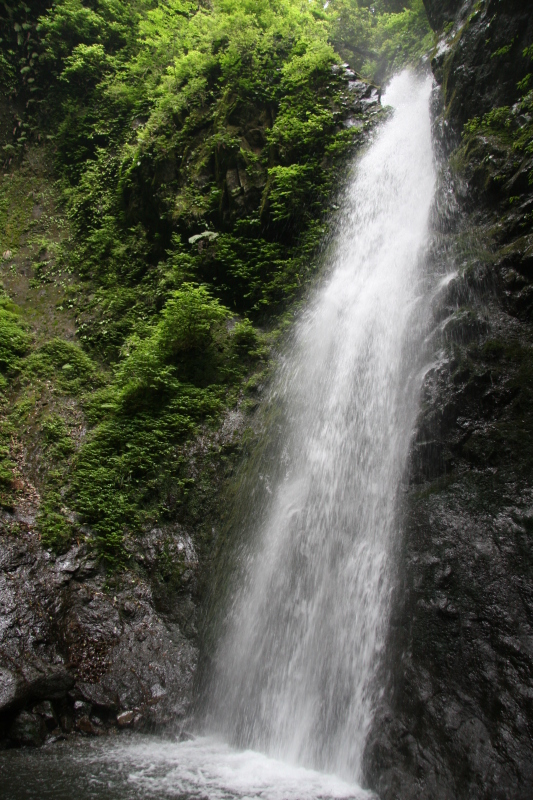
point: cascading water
(295, 675)
(295, 672)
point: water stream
(296, 670)
(295, 681)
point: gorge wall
(167, 173)
(102, 576)
(457, 720)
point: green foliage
(8, 469)
(7, 75)
(145, 98)
(18, 24)
(58, 446)
(14, 339)
(498, 119)
(379, 38)
(509, 131)
(71, 370)
(183, 337)
(56, 436)
(197, 149)
(507, 128)
(187, 322)
(55, 529)
(14, 344)
(72, 27)
(130, 472)
(15, 210)
(147, 149)
(503, 51)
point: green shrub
(197, 149)
(176, 378)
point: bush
(197, 149)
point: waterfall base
(144, 767)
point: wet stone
(28, 730)
(99, 696)
(82, 709)
(46, 711)
(66, 723)
(8, 688)
(125, 719)
(85, 725)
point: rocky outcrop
(83, 651)
(480, 62)
(457, 719)
(442, 11)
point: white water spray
(296, 670)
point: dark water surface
(66, 770)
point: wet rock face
(458, 717)
(28, 729)
(77, 654)
(441, 11)
(481, 61)
(457, 720)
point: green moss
(56, 531)
(8, 471)
(496, 144)
(71, 370)
(14, 338)
(14, 344)
(132, 470)
(55, 435)
(16, 203)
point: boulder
(125, 719)
(46, 711)
(8, 688)
(85, 725)
(99, 696)
(52, 684)
(28, 730)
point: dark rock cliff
(441, 11)
(78, 654)
(457, 721)
(480, 62)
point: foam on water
(207, 768)
(137, 767)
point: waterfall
(295, 673)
